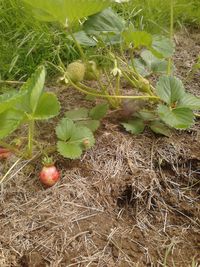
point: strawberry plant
(147, 55)
(26, 106)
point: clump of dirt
(129, 201)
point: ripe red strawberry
(4, 153)
(49, 174)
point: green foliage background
(25, 42)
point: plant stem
(169, 69)
(30, 136)
(78, 46)
(11, 82)
(77, 86)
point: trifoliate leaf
(69, 150)
(65, 129)
(190, 101)
(47, 107)
(135, 126)
(179, 118)
(160, 128)
(170, 89)
(99, 111)
(77, 114)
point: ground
(129, 201)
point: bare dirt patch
(130, 201)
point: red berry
(4, 153)
(49, 175)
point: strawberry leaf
(190, 101)
(135, 126)
(77, 114)
(170, 89)
(160, 128)
(47, 107)
(68, 150)
(10, 120)
(65, 129)
(179, 118)
(99, 111)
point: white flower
(116, 71)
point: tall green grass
(26, 42)
(154, 15)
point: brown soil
(129, 201)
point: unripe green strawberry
(76, 71)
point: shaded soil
(129, 201)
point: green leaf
(170, 89)
(153, 63)
(99, 111)
(75, 143)
(81, 134)
(10, 120)
(37, 88)
(93, 125)
(83, 39)
(9, 100)
(160, 128)
(65, 129)
(77, 114)
(34, 82)
(147, 115)
(162, 46)
(179, 118)
(137, 38)
(148, 64)
(67, 150)
(48, 107)
(141, 67)
(42, 15)
(189, 101)
(68, 10)
(105, 22)
(135, 126)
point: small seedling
(31, 103)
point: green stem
(11, 82)
(78, 46)
(169, 69)
(30, 136)
(77, 86)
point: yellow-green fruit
(92, 72)
(76, 71)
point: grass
(154, 15)
(25, 43)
